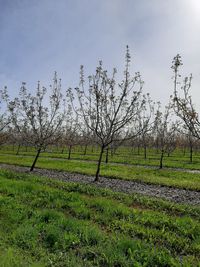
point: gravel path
(169, 193)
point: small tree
(85, 138)
(165, 132)
(183, 104)
(145, 123)
(108, 109)
(37, 120)
(71, 130)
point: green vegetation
(125, 155)
(45, 222)
(127, 172)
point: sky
(38, 37)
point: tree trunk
(145, 152)
(161, 160)
(35, 160)
(191, 153)
(99, 165)
(69, 153)
(107, 150)
(17, 153)
(85, 150)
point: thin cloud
(39, 37)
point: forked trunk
(99, 165)
(35, 160)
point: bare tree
(36, 118)
(71, 130)
(183, 105)
(107, 108)
(86, 138)
(145, 123)
(165, 132)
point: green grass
(45, 222)
(126, 155)
(173, 178)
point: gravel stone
(176, 195)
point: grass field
(154, 176)
(126, 155)
(44, 222)
(50, 223)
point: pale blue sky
(40, 36)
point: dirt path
(169, 193)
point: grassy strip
(123, 155)
(153, 176)
(132, 200)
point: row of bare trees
(100, 110)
